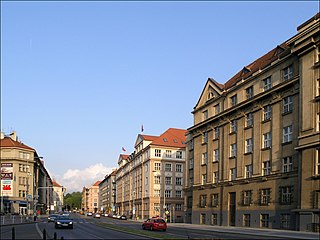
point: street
(108, 228)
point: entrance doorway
(23, 210)
(232, 209)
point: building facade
(58, 196)
(107, 193)
(26, 186)
(90, 198)
(253, 151)
(149, 182)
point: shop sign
(6, 188)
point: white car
(97, 215)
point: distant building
(107, 193)
(26, 186)
(90, 198)
(58, 196)
(150, 181)
(253, 156)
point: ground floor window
(203, 218)
(264, 220)
(285, 221)
(214, 219)
(246, 220)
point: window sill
(215, 161)
(266, 148)
(203, 164)
(287, 113)
(266, 120)
(204, 143)
(248, 127)
(247, 153)
(232, 157)
(286, 143)
(234, 132)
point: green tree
(73, 200)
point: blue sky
(78, 79)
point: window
(205, 137)
(287, 164)
(156, 207)
(178, 181)
(267, 113)
(266, 168)
(179, 154)
(249, 92)
(168, 167)
(287, 134)
(233, 100)
(249, 120)
(205, 115)
(216, 155)
(285, 221)
(156, 179)
(318, 122)
(217, 108)
(204, 179)
(233, 126)
(167, 193)
(264, 220)
(286, 195)
(178, 207)
(265, 196)
(216, 177)
(215, 200)
(191, 144)
(202, 218)
(178, 168)
(214, 219)
(204, 158)
(168, 153)
(168, 180)
(203, 200)
(178, 193)
(318, 87)
(246, 220)
(249, 147)
(157, 166)
(157, 152)
(247, 197)
(191, 163)
(216, 132)
(233, 150)
(233, 174)
(267, 83)
(288, 73)
(249, 171)
(317, 162)
(267, 140)
(287, 104)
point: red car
(155, 224)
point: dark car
(155, 224)
(63, 222)
(123, 217)
(52, 217)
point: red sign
(6, 187)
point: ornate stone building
(253, 151)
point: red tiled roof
(8, 142)
(97, 183)
(148, 137)
(124, 156)
(55, 184)
(173, 137)
(257, 65)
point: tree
(73, 201)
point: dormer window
(210, 94)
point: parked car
(89, 214)
(97, 215)
(155, 224)
(63, 222)
(123, 217)
(52, 217)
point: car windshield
(64, 218)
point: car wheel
(143, 227)
(164, 230)
(71, 227)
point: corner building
(149, 182)
(253, 151)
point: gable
(211, 90)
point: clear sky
(78, 79)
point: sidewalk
(17, 219)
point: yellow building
(253, 151)
(90, 198)
(26, 186)
(58, 196)
(149, 182)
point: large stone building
(58, 196)
(26, 186)
(253, 151)
(90, 198)
(107, 193)
(149, 182)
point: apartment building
(90, 198)
(149, 182)
(26, 187)
(253, 151)
(107, 193)
(58, 196)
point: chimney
(13, 136)
(2, 135)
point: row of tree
(72, 201)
